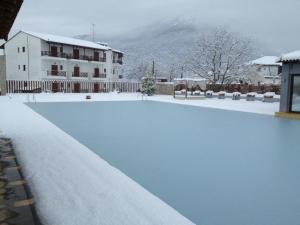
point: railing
(57, 73)
(81, 74)
(72, 56)
(100, 75)
(14, 86)
(120, 61)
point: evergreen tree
(148, 85)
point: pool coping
(292, 116)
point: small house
(290, 83)
(265, 70)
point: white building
(265, 70)
(39, 57)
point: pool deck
(293, 116)
(242, 105)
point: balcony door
(96, 87)
(53, 51)
(54, 70)
(295, 106)
(96, 56)
(55, 87)
(76, 53)
(76, 71)
(97, 72)
(77, 88)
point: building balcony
(119, 61)
(100, 75)
(81, 74)
(56, 73)
(72, 56)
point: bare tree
(220, 56)
(139, 71)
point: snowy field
(72, 185)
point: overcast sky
(276, 22)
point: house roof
(290, 57)
(266, 61)
(8, 12)
(190, 79)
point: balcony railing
(71, 56)
(81, 74)
(120, 61)
(56, 73)
(100, 75)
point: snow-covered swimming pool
(215, 167)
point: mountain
(167, 43)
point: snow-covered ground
(74, 186)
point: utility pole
(181, 76)
(153, 70)
(93, 32)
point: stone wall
(168, 89)
(165, 88)
(244, 88)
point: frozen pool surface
(215, 167)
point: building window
(104, 70)
(19, 67)
(24, 67)
(279, 70)
(114, 71)
(23, 49)
(61, 67)
(18, 49)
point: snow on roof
(67, 40)
(292, 56)
(266, 61)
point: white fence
(14, 86)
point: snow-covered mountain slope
(168, 43)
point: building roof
(266, 61)
(8, 12)
(290, 57)
(67, 40)
(190, 79)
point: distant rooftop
(290, 57)
(266, 61)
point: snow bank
(72, 185)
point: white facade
(2, 75)
(35, 56)
(265, 70)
